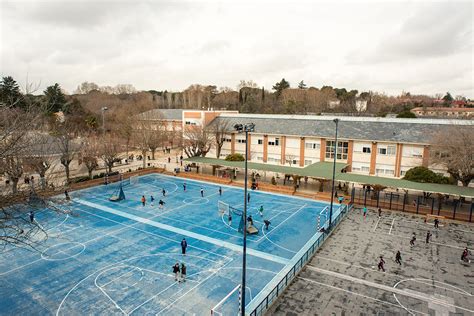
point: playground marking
(413, 294)
(377, 224)
(180, 231)
(265, 235)
(357, 294)
(69, 256)
(391, 226)
(274, 228)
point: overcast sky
(390, 46)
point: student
(250, 220)
(183, 272)
(184, 245)
(398, 258)
(340, 199)
(365, 211)
(260, 210)
(381, 263)
(152, 200)
(66, 194)
(428, 236)
(202, 192)
(32, 217)
(248, 197)
(220, 191)
(267, 223)
(413, 239)
(436, 223)
(176, 271)
(380, 212)
(169, 159)
(161, 203)
(163, 191)
(184, 186)
(143, 200)
(464, 255)
(229, 219)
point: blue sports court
(117, 257)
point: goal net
(133, 180)
(233, 215)
(223, 207)
(229, 305)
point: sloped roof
(417, 131)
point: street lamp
(244, 128)
(333, 175)
(103, 109)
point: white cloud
(391, 46)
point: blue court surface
(117, 257)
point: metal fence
(302, 261)
(435, 204)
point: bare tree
(289, 158)
(219, 129)
(453, 148)
(110, 150)
(90, 151)
(67, 144)
(40, 156)
(197, 142)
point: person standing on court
(176, 271)
(184, 186)
(163, 191)
(202, 192)
(229, 219)
(220, 190)
(143, 200)
(66, 193)
(184, 245)
(428, 236)
(183, 272)
(398, 258)
(413, 239)
(380, 212)
(436, 223)
(152, 200)
(267, 223)
(248, 197)
(365, 211)
(260, 210)
(381, 263)
(32, 216)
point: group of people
(161, 203)
(180, 270)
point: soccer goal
(223, 207)
(229, 304)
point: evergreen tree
(10, 94)
(302, 85)
(55, 100)
(280, 86)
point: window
(342, 149)
(312, 145)
(241, 141)
(259, 158)
(308, 162)
(190, 123)
(227, 140)
(260, 141)
(389, 150)
(275, 142)
(365, 169)
(366, 150)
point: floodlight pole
(244, 128)
(333, 175)
(103, 109)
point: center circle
(195, 201)
(63, 251)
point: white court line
(431, 242)
(412, 294)
(391, 226)
(274, 228)
(264, 235)
(190, 234)
(108, 296)
(357, 294)
(377, 224)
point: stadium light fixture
(244, 128)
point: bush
(406, 114)
(102, 174)
(425, 175)
(235, 157)
(80, 179)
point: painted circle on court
(63, 251)
(196, 201)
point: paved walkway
(343, 279)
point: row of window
(342, 149)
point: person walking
(143, 200)
(184, 186)
(176, 271)
(436, 223)
(229, 219)
(66, 194)
(380, 212)
(381, 263)
(32, 217)
(428, 236)
(220, 191)
(152, 200)
(260, 210)
(248, 197)
(365, 211)
(161, 203)
(184, 245)
(413, 239)
(398, 258)
(169, 159)
(183, 272)
(163, 191)
(202, 192)
(464, 255)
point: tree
(10, 95)
(219, 128)
(302, 85)
(289, 159)
(90, 151)
(448, 98)
(40, 155)
(86, 87)
(55, 100)
(406, 114)
(454, 149)
(110, 150)
(246, 84)
(67, 144)
(280, 86)
(197, 142)
(235, 157)
(425, 175)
